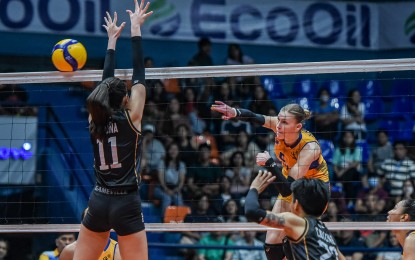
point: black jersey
(315, 243)
(117, 157)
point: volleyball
(69, 55)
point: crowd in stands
(193, 158)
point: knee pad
(274, 251)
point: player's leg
(90, 244)
(273, 242)
(134, 246)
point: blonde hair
(300, 114)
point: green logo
(166, 19)
(410, 27)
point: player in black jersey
(115, 127)
(404, 211)
(307, 236)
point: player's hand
(262, 180)
(140, 13)
(226, 111)
(110, 25)
(262, 158)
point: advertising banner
(347, 25)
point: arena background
(51, 184)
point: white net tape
(207, 227)
(219, 71)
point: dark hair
(231, 160)
(342, 146)
(236, 46)
(169, 159)
(312, 194)
(101, 103)
(409, 208)
(203, 42)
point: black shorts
(120, 212)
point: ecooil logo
(166, 20)
(410, 27)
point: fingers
(142, 5)
(109, 17)
(136, 6)
(272, 179)
(115, 17)
(146, 7)
(219, 102)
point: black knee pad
(274, 251)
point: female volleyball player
(111, 250)
(404, 211)
(115, 124)
(307, 236)
(296, 148)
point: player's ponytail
(106, 97)
(99, 109)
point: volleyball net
(46, 164)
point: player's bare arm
(409, 248)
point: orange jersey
(288, 155)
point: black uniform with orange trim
(315, 243)
(117, 156)
(288, 156)
(115, 202)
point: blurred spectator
(191, 109)
(352, 115)
(153, 115)
(215, 239)
(203, 176)
(13, 101)
(224, 195)
(171, 176)
(154, 150)
(201, 213)
(331, 214)
(397, 170)
(392, 243)
(202, 57)
(370, 206)
(248, 148)
(241, 86)
(229, 133)
(248, 239)
(260, 103)
(364, 202)
(350, 238)
(172, 118)
(326, 116)
(346, 163)
(183, 139)
(61, 241)
(4, 248)
(239, 174)
(231, 212)
(379, 153)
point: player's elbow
(254, 214)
